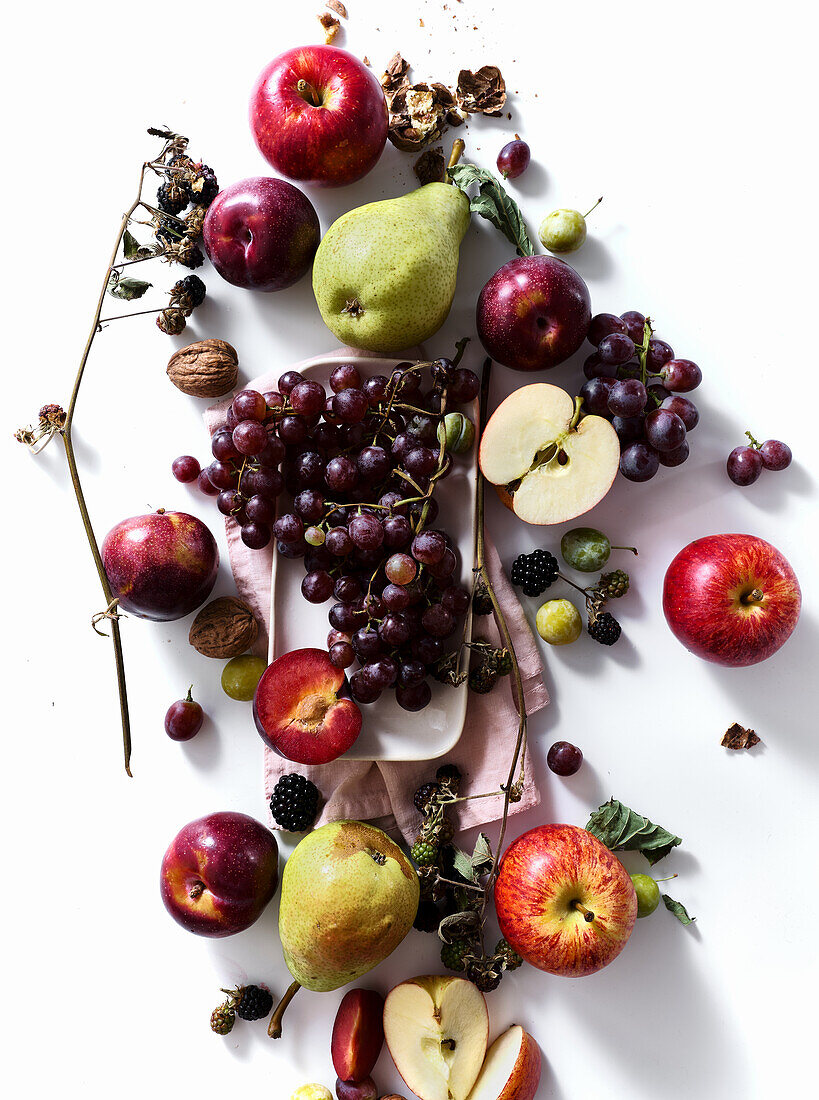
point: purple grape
(395, 597)
(627, 398)
(421, 462)
(595, 393)
(456, 600)
(186, 469)
(744, 465)
(341, 654)
(183, 719)
(221, 446)
(343, 617)
(427, 649)
(415, 697)
(392, 500)
(394, 630)
(309, 505)
(417, 508)
(366, 531)
(362, 690)
(351, 405)
(347, 589)
(255, 535)
(325, 437)
(445, 567)
(628, 428)
(464, 386)
(316, 587)
(307, 398)
(249, 405)
(229, 502)
(274, 452)
(288, 380)
(593, 367)
(249, 437)
(404, 443)
(375, 389)
(438, 621)
(373, 464)
(367, 643)
(222, 475)
(309, 469)
(664, 430)
(338, 542)
(292, 429)
(383, 672)
(260, 510)
(676, 457)
(341, 474)
(686, 410)
(681, 375)
(659, 353)
(397, 532)
(603, 324)
(293, 549)
(563, 758)
(205, 485)
(616, 348)
(635, 325)
(639, 462)
(275, 403)
(262, 481)
(776, 455)
(656, 395)
(344, 377)
(513, 159)
(428, 547)
(288, 528)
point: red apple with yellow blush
(318, 114)
(219, 873)
(564, 902)
(303, 708)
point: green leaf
(481, 856)
(463, 865)
(678, 909)
(127, 289)
(623, 830)
(493, 203)
(132, 249)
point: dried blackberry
(507, 956)
(482, 601)
(171, 321)
(190, 254)
(424, 795)
(534, 572)
(604, 629)
(195, 289)
(450, 776)
(171, 197)
(483, 678)
(294, 802)
(203, 188)
(428, 916)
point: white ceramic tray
(388, 732)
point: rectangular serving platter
(388, 732)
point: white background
(693, 121)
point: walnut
(224, 628)
(331, 26)
(207, 368)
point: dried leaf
(623, 830)
(463, 865)
(737, 737)
(482, 856)
(126, 289)
(493, 203)
(458, 925)
(678, 909)
(430, 166)
(132, 249)
(337, 7)
(482, 92)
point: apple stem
(196, 891)
(755, 596)
(308, 93)
(458, 147)
(594, 207)
(588, 916)
(274, 1029)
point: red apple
(162, 565)
(533, 313)
(564, 902)
(731, 599)
(300, 711)
(261, 233)
(219, 873)
(511, 1070)
(358, 1034)
(319, 115)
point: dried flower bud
(52, 416)
(171, 321)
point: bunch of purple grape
(636, 382)
(361, 465)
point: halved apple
(548, 463)
(302, 708)
(436, 1028)
(512, 1068)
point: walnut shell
(206, 368)
(224, 628)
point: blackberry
(195, 289)
(450, 775)
(254, 1003)
(191, 255)
(452, 954)
(482, 601)
(483, 678)
(222, 1019)
(428, 916)
(294, 803)
(204, 187)
(171, 232)
(424, 795)
(614, 585)
(171, 197)
(507, 956)
(423, 853)
(604, 629)
(534, 572)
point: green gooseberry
(558, 622)
(457, 432)
(564, 230)
(587, 549)
(648, 894)
(241, 675)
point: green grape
(558, 622)
(648, 894)
(585, 549)
(241, 675)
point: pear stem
(274, 1029)
(458, 147)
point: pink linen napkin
(381, 791)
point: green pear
(349, 896)
(384, 274)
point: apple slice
(548, 464)
(511, 1070)
(436, 1029)
(299, 709)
